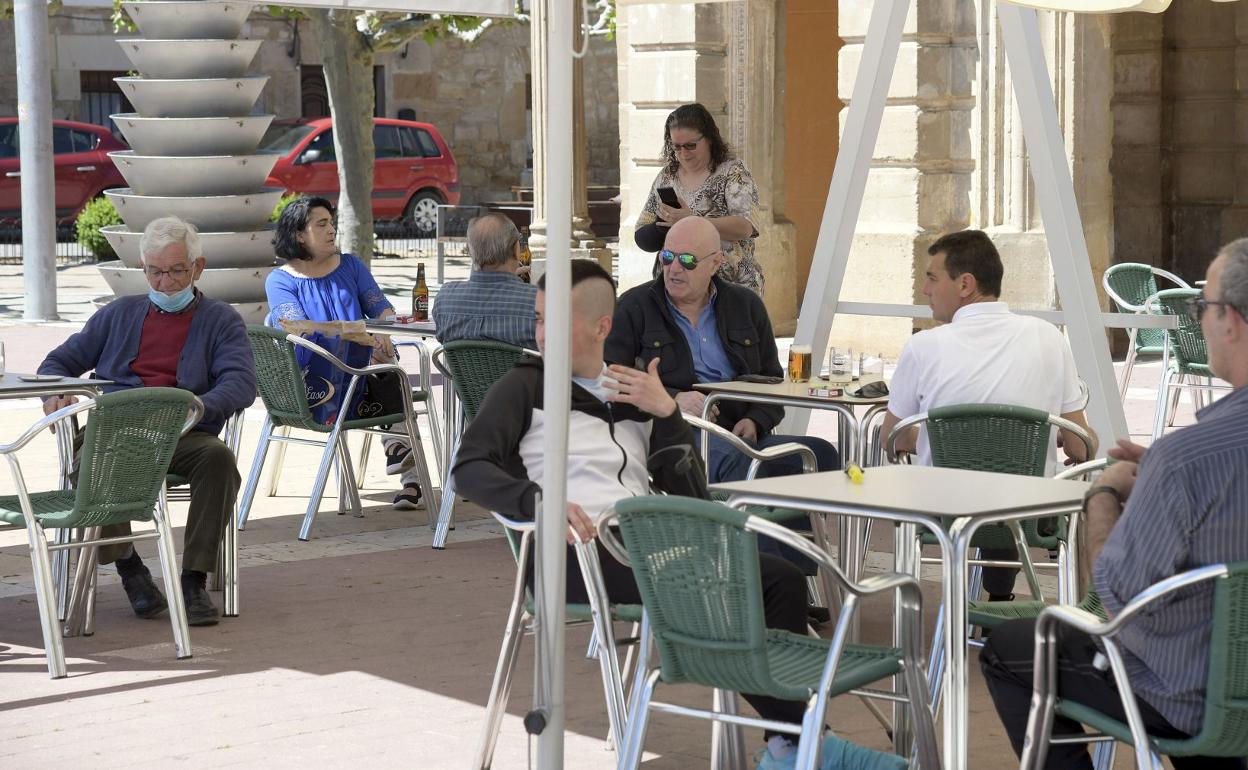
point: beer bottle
(526, 256)
(420, 295)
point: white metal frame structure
(1081, 311)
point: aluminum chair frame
(1128, 307)
(428, 408)
(335, 447)
(1173, 379)
(455, 424)
(1044, 693)
(910, 604)
(519, 624)
(84, 581)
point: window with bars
(102, 97)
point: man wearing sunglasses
(1176, 506)
(704, 329)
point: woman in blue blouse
(319, 283)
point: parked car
(413, 168)
(83, 168)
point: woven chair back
(1135, 283)
(1225, 729)
(697, 570)
(126, 450)
(996, 438)
(1187, 342)
(280, 379)
(475, 365)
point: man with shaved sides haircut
(624, 429)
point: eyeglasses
(1196, 306)
(176, 273)
(687, 146)
(687, 261)
(877, 389)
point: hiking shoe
(406, 501)
(398, 459)
(145, 598)
(199, 609)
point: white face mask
(172, 303)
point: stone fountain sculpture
(194, 150)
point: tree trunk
(347, 61)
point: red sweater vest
(160, 347)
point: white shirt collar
(980, 308)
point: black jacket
(614, 450)
(644, 327)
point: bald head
(693, 235)
(492, 240)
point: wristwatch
(1102, 489)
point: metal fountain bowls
(182, 59)
(192, 136)
(218, 213)
(225, 284)
(195, 175)
(189, 20)
(222, 250)
(193, 98)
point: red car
(83, 168)
(413, 169)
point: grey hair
(167, 231)
(490, 240)
(1234, 281)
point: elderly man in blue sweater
(173, 336)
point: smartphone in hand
(668, 196)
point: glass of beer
(799, 363)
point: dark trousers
(784, 608)
(210, 467)
(999, 581)
(1008, 663)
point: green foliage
(98, 212)
(122, 24)
(281, 206)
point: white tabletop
(917, 489)
(792, 391)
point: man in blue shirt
(703, 329)
(493, 304)
(1176, 506)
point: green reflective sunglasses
(687, 261)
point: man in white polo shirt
(983, 354)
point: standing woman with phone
(700, 177)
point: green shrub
(281, 206)
(98, 212)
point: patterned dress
(729, 191)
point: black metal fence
(68, 250)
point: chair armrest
(1061, 423)
(1107, 629)
(890, 443)
(340, 366)
(46, 422)
(757, 456)
(515, 525)
(1085, 468)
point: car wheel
(422, 214)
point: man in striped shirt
(493, 304)
(1181, 504)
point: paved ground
(362, 642)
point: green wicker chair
(1225, 729)
(472, 367)
(286, 406)
(1188, 359)
(696, 565)
(519, 622)
(128, 444)
(1130, 285)
(1001, 439)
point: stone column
(582, 234)
(537, 64)
(723, 55)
